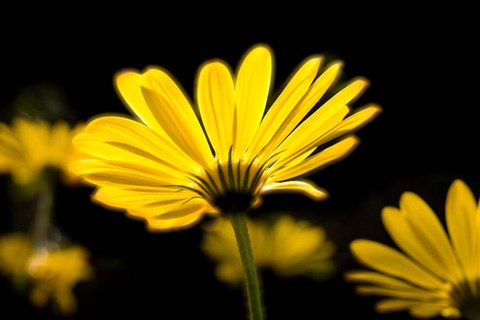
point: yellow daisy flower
(178, 163)
(51, 274)
(15, 249)
(55, 274)
(29, 146)
(435, 273)
(287, 246)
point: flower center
(466, 300)
(231, 186)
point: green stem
(43, 212)
(252, 287)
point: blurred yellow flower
(55, 274)
(29, 146)
(438, 272)
(15, 248)
(287, 246)
(178, 163)
(51, 274)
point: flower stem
(43, 212)
(252, 287)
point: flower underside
(175, 164)
(231, 186)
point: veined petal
(126, 156)
(315, 126)
(135, 140)
(182, 126)
(412, 292)
(163, 225)
(377, 279)
(399, 229)
(427, 230)
(176, 208)
(307, 188)
(129, 85)
(319, 160)
(297, 114)
(128, 198)
(461, 215)
(390, 261)
(252, 87)
(124, 175)
(285, 106)
(216, 100)
(355, 121)
(301, 143)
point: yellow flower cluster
(287, 246)
(51, 274)
(29, 146)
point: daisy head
(29, 146)
(182, 158)
(435, 270)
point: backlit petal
(428, 231)
(307, 188)
(119, 138)
(252, 87)
(129, 85)
(287, 104)
(399, 229)
(216, 100)
(461, 215)
(318, 161)
(182, 126)
(390, 261)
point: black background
(423, 73)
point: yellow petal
(428, 231)
(388, 260)
(128, 84)
(59, 144)
(309, 134)
(305, 139)
(309, 100)
(126, 198)
(117, 138)
(461, 216)
(33, 134)
(216, 100)
(287, 105)
(420, 309)
(394, 305)
(377, 279)
(355, 121)
(181, 125)
(403, 235)
(163, 225)
(427, 310)
(126, 175)
(318, 161)
(307, 188)
(252, 87)
(412, 292)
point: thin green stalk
(252, 286)
(43, 212)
